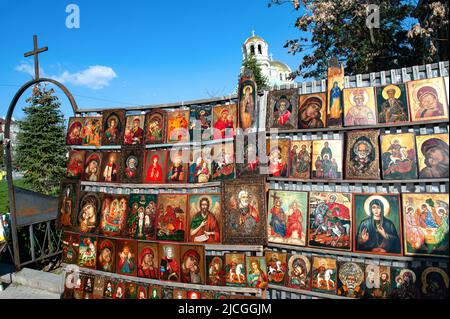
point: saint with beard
(363, 155)
(204, 225)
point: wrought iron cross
(36, 52)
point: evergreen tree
(260, 79)
(41, 146)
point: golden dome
(280, 66)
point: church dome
(280, 66)
(254, 38)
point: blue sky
(138, 52)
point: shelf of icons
(152, 186)
(361, 181)
(306, 292)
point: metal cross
(36, 52)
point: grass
(4, 193)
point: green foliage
(41, 142)
(4, 200)
(260, 79)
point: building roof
(280, 66)
(254, 38)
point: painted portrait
(404, 284)
(155, 127)
(324, 275)
(132, 162)
(327, 159)
(205, 218)
(169, 263)
(377, 224)
(108, 288)
(200, 169)
(106, 256)
(200, 121)
(134, 130)
(142, 291)
(113, 215)
(155, 167)
(282, 110)
(427, 100)
(74, 131)
(256, 272)
(247, 163)
(192, 264)
(278, 156)
(215, 275)
(194, 295)
(88, 212)
(87, 255)
(141, 218)
(177, 166)
(244, 212)
(362, 154)
(87, 285)
(224, 121)
(99, 284)
(300, 159)
(177, 126)
(248, 101)
(434, 283)
(119, 289)
(398, 156)
(92, 166)
(75, 164)
(92, 131)
(276, 267)
(350, 280)
(171, 217)
(126, 255)
(335, 87)
(359, 107)
(130, 290)
(68, 205)
(312, 112)
(223, 161)
(392, 104)
(377, 281)
(70, 247)
(154, 292)
(330, 220)
(287, 217)
(179, 294)
(113, 127)
(425, 224)
(433, 155)
(235, 270)
(110, 167)
(148, 260)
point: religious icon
(276, 267)
(223, 161)
(324, 275)
(155, 167)
(247, 162)
(178, 126)
(327, 159)
(179, 294)
(148, 260)
(287, 217)
(92, 131)
(68, 204)
(248, 100)
(74, 130)
(200, 122)
(132, 165)
(205, 218)
(75, 164)
(134, 130)
(425, 223)
(89, 209)
(235, 270)
(300, 159)
(200, 170)
(299, 272)
(392, 104)
(335, 86)
(87, 255)
(171, 217)
(256, 272)
(312, 111)
(70, 284)
(192, 264)
(244, 212)
(224, 121)
(215, 271)
(377, 224)
(155, 127)
(282, 110)
(126, 251)
(130, 290)
(87, 285)
(110, 167)
(113, 127)
(113, 214)
(177, 166)
(433, 155)
(99, 284)
(169, 265)
(141, 219)
(92, 166)
(404, 284)
(154, 292)
(119, 290)
(350, 280)
(70, 247)
(377, 282)
(398, 156)
(194, 295)
(75, 281)
(106, 256)
(434, 283)
(108, 289)
(359, 107)
(427, 99)
(330, 220)
(142, 290)
(166, 292)
(278, 155)
(362, 155)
